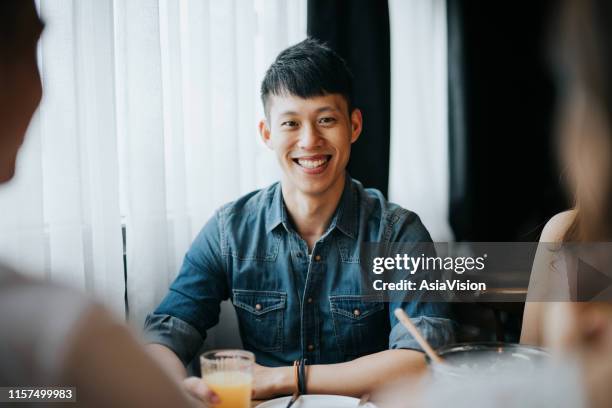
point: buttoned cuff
(176, 334)
(438, 331)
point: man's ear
(264, 132)
(356, 124)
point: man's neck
(311, 214)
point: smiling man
(288, 255)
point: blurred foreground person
(578, 334)
(584, 56)
(49, 335)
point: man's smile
(315, 164)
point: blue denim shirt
(292, 304)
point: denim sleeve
(192, 305)
(438, 331)
(433, 319)
(174, 333)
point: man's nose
(309, 138)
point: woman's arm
(540, 282)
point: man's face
(20, 88)
(311, 139)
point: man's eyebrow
(319, 110)
(327, 109)
(288, 113)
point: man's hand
(269, 382)
(196, 388)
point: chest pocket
(260, 317)
(361, 325)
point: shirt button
(309, 300)
(258, 306)
(310, 347)
(299, 254)
(357, 312)
(317, 258)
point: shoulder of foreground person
(52, 334)
(557, 226)
(36, 317)
(405, 225)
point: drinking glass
(229, 373)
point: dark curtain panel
(504, 180)
(503, 171)
(358, 30)
(459, 145)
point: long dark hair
(585, 51)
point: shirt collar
(277, 214)
(347, 214)
(345, 218)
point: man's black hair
(307, 69)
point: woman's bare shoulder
(557, 226)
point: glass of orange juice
(229, 373)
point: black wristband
(302, 376)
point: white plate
(316, 401)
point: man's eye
(289, 123)
(327, 121)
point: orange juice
(232, 387)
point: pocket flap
(356, 306)
(259, 302)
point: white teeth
(311, 164)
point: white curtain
(149, 122)
(418, 178)
(60, 215)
